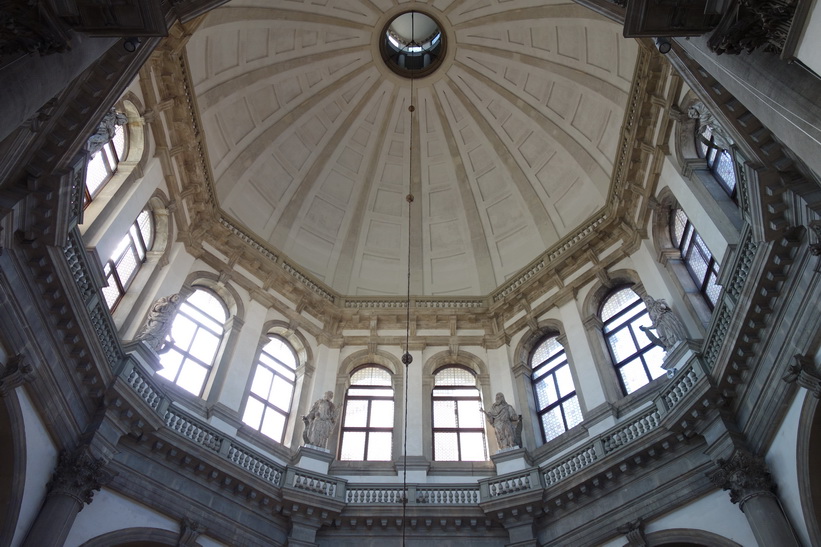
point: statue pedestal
(314, 458)
(145, 357)
(511, 460)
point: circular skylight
(412, 44)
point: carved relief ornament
(78, 476)
(745, 476)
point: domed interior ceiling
(308, 136)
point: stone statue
(505, 422)
(705, 119)
(105, 130)
(669, 328)
(320, 421)
(158, 326)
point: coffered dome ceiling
(308, 135)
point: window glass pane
(545, 350)
(96, 173)
(565, 381)
(192, 376)
(725, 171)
(642, 321)
(280, 351)
(379, 446)
(371, 376)
(262, 382)
(127, 267)
(546, 392)
(633, 375)
(281, 393)
(381, 414)
(444, 413)
(473, 446)
(698, 265)
(208, 304)
(273, 425)
(205, 346)
(572, 412)
(470, 414)
(253, 413)
(654, 358)
(353, 446)
(118, 141)
(111, 293)
(617, 302)
(356, 413)
(454, 376)
(622, 345)
(171, 361)
(678, 225)
(182, 331)
(552, 423)
(445, 447)
(713, 290)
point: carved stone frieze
(17, 372)
(744, 475)
(804, 373)
(78, 476)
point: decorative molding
(744, 475)
(803, 373)
(634, 532)
(78, 476)
(17, 371)
(190, 530)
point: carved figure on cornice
(803, 373)
(105, 130)
(705, 119)
(744, 475)
(78, 476)
(320, 421)
(506, 423)
(16, 372)
(669, 328)
(157, 329)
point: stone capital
(16, 372)
(634, 532)
(190, 530)
(804, 373)
(78, 476)
(744, 475)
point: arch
(685, 537)
(463, 358)
(136, 537)
(365, 357)
(12, 464)
(527, 343)
(294, 337)
(217, 284)
(595, 297)
(808, 451)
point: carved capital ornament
(78, 476)
(745, 476)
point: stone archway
(12, 464)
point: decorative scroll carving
(158, 325)
(78, 476)
(28, 27)
(634, 531)
(803, 373)
(17, 372)
(751, 24)
(744, 475)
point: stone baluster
(751, 487)
(76, 478)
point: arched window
(106, 148)
(458, 423)
(701, 265)
(635, 357)
(557, 404)
(127, 259)
(367, 425)
(712, 146)
(269, 399)
(197, 332)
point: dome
(313, 149)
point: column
(751, 487)
(73, 484)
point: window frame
(110, 161)
(686, 245)
(186, 354)
(367, 429)
(714, 155)
(641, 351)
(266, 404)
(554, 362)
(138, 248)
(434, 430)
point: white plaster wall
(782, 461)
(41, 457)
(244, 357)
(110, 511)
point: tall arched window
(271, 394)
(557, 404)
(367, 425)
(197, 332)
(127, 259)
(106, 148)
(635, 357)
(701, 265)
(458, 423)
(712, 146)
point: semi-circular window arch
(457, 421)
(368, 416)
(554, 392)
